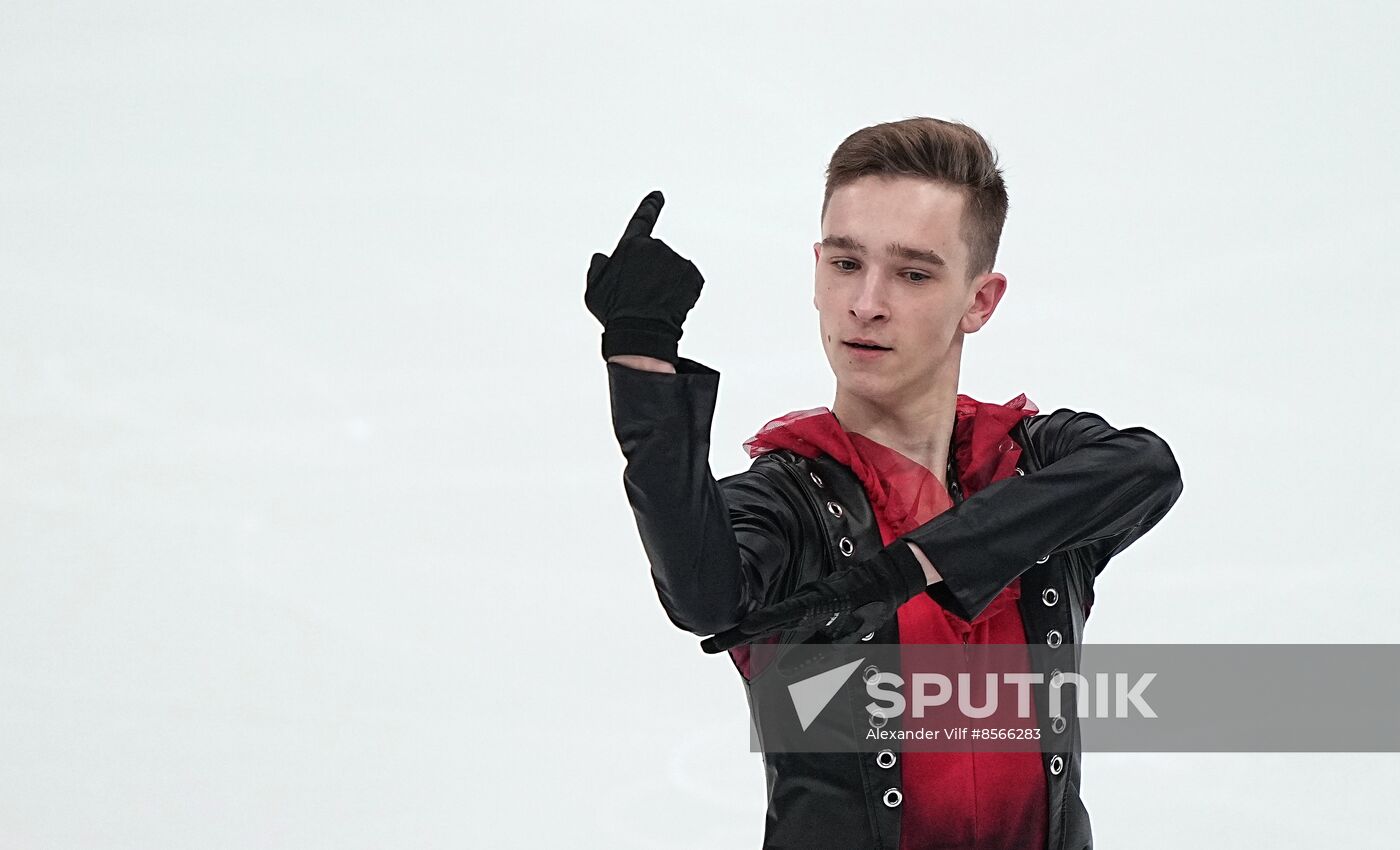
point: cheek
(939, 327)
(823, 324)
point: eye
(918, 276)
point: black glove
(843, 606)
(643, 291)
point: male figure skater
(906, 512)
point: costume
(1037, 512)
(961, 800)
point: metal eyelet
(1054, 638)
(879, 715)
(816, 479)
(885, 759)
(1057, 765)
(892, 797)
(1056, 676)
(1057, 724)
(1043, 559)
(836, 510)
(847, 547)
(868, 637)
(1020, 471)
(1049, 596)
(869, 673)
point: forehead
(912, 211)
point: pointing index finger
(644, 219)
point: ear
(988, 289)
(817, 251)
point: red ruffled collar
(983, 451)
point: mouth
(864, 345)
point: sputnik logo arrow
(812, 694)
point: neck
(918, 425)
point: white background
(313, 531)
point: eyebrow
(894, 249)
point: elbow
(696, 600)
(1161, 471)
(701, 621)
(706, 625)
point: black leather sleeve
(1100, 487)
(717, 548)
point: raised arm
(717, 548)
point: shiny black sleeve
(1100, 487)
(717, 548)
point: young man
(907, 512)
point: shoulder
(1051, 431)
(770, 476)
(793, 472)
(763, 473)
(1056, 434)
(1060, 418)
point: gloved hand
(643, 291)
(843, 606)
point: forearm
(662, 422)
(1105, 484)
(642, 362)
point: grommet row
(845, 545)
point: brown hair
(950, 153)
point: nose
(870, 302)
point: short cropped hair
(951, 153)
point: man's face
(892, 270)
